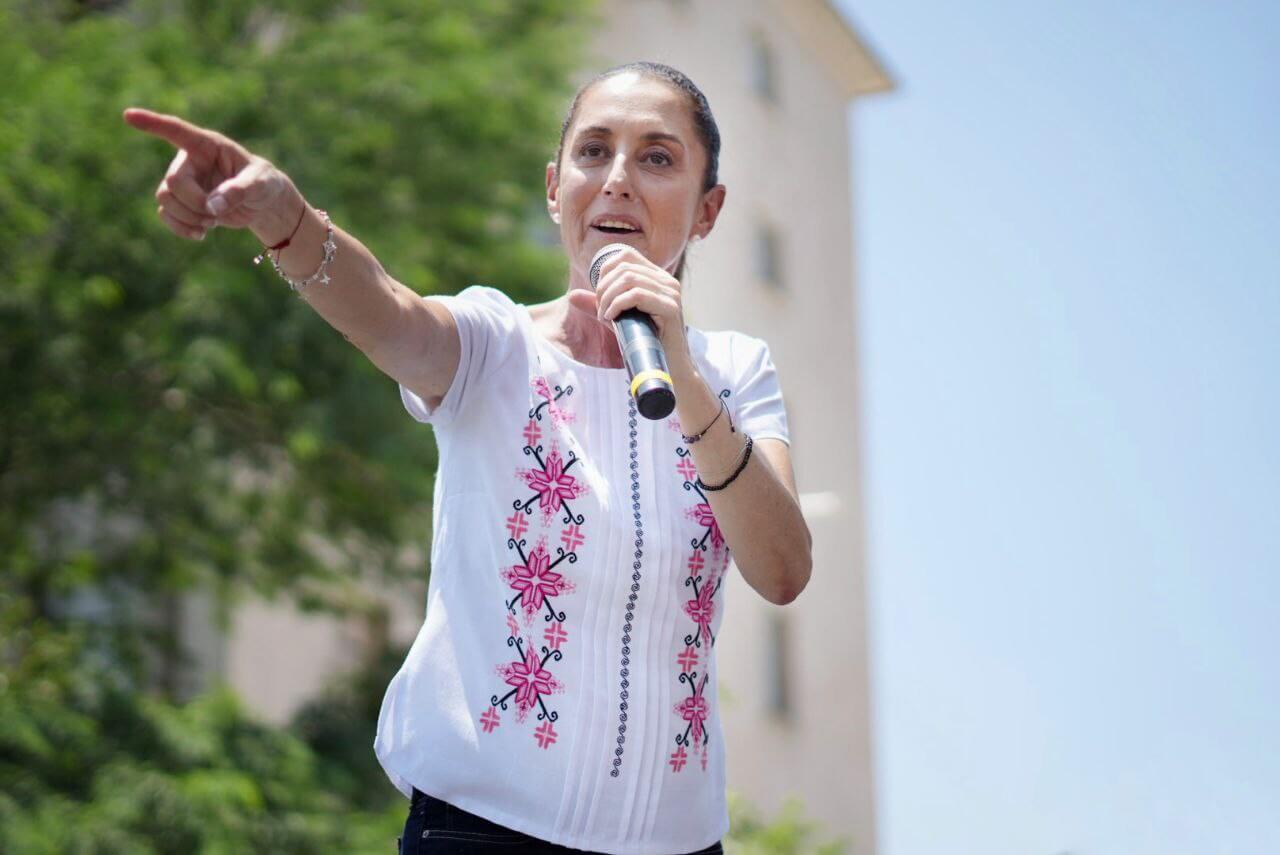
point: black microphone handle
(646, 363)
(651, 385)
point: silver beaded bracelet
(322, 274)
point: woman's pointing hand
(213, 180)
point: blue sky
(1068, 251)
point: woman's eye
(592, 150)
(664, 158)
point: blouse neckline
(527, 318)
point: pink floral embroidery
(555, 635)
(517, 525)
(571, 537)
(558, 416)
(535, 580)
(703, 514)
(688, 660)
(532, 433)
(552, 483)
(702, 609)
(531, 681)
(545, 734)
(695, 710)
(490, 719)
(707, 561)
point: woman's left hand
(628, 280)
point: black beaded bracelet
(743, 465)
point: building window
(769, 256)
(777, 663)
(763, 70)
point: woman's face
(631, 158)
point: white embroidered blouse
(563, 683)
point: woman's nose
(618, 182)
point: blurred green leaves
(789, 833)
(175, 385)
(172, 418)
(88, 765)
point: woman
(561, 692)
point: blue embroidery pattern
(635, 589)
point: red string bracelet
(280, 246)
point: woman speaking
(561, 692)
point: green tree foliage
(340, 724)
(789, 833)
(147, 378)
(173, 418)
(89, 765)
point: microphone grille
(603, 255)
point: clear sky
(1068, 250)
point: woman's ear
(708, 212)
(553, 192)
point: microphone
(642, 352)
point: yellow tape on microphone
(645, 376)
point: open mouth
(616, 224)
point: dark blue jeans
(435, 826)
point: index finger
(177, 131)
(627, 254)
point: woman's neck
(581, 336)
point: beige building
(780, 76)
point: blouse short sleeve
(488, 334)
(760, 408)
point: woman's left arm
(759, 513)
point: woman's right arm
(213, 180)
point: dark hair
(703, 122)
